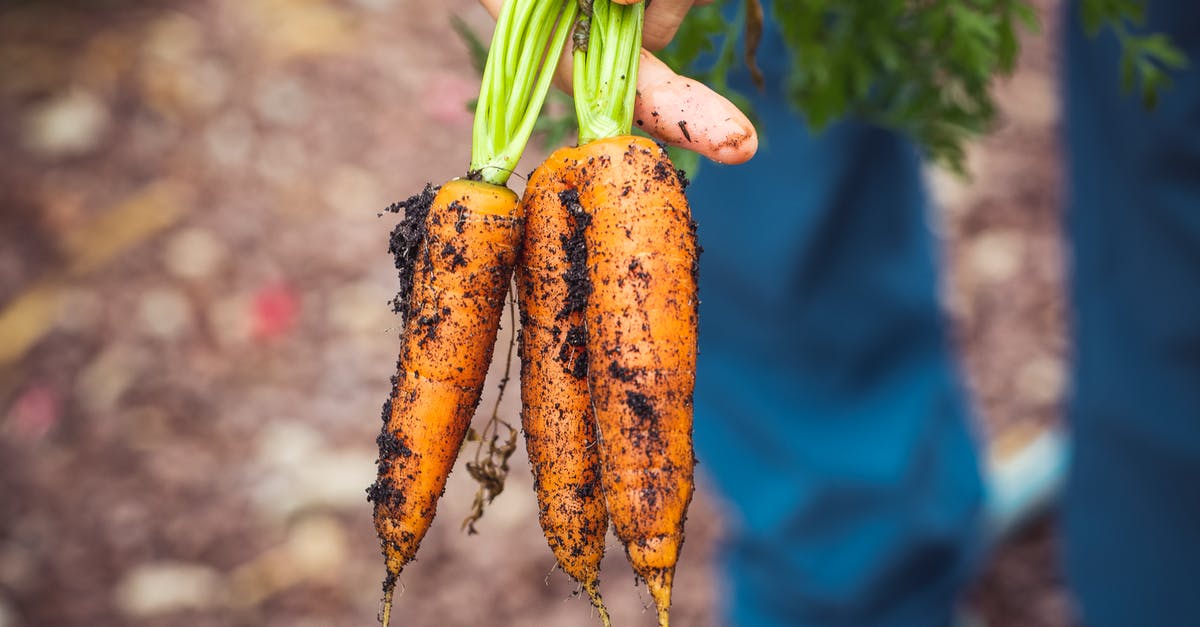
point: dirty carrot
(455, 250)
(460, 275)
(641, 315)
(560, 429)
(641, 321)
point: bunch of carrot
(605, 255)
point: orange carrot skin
(461, 275)
(642, 323)
(560, 431)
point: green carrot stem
(529, 37)
(539, 29)
(606, 70)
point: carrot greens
(520, 64)
(607, 47)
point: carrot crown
(520, 63)
(607, 47)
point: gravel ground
(195, 337)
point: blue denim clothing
(1132, 506)
(828, 412)
(828, 409)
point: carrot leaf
(516, 77)
(608, 44)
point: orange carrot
(641, 312)
(456, 252)
(560, 430)
(641, 344)
(456, 263)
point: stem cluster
(529, 35)
(605, 67)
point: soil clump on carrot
(405, 241)
(579, 286)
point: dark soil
(579, 286)
(407, 238)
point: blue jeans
(828, 410)
(1132, 506)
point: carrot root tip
(593, 591)
(385, 614)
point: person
(829, 409)
(1131, 512)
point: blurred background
(195, 335)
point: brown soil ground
(195, 335)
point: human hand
(672, 108)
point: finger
(711, 125)
(686, 113)
(492, 6)
(683, 112)
(662, 20)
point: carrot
(613, 271)
(641, 321)
(560, 430)
(610, 269)
(641, 312)
(456, 251)
(461, 272)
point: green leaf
(1160, 48)
(475, 46)
(923, 68)
(556, 122)
(1028, 17)
(695, 36)
(1128, 68)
